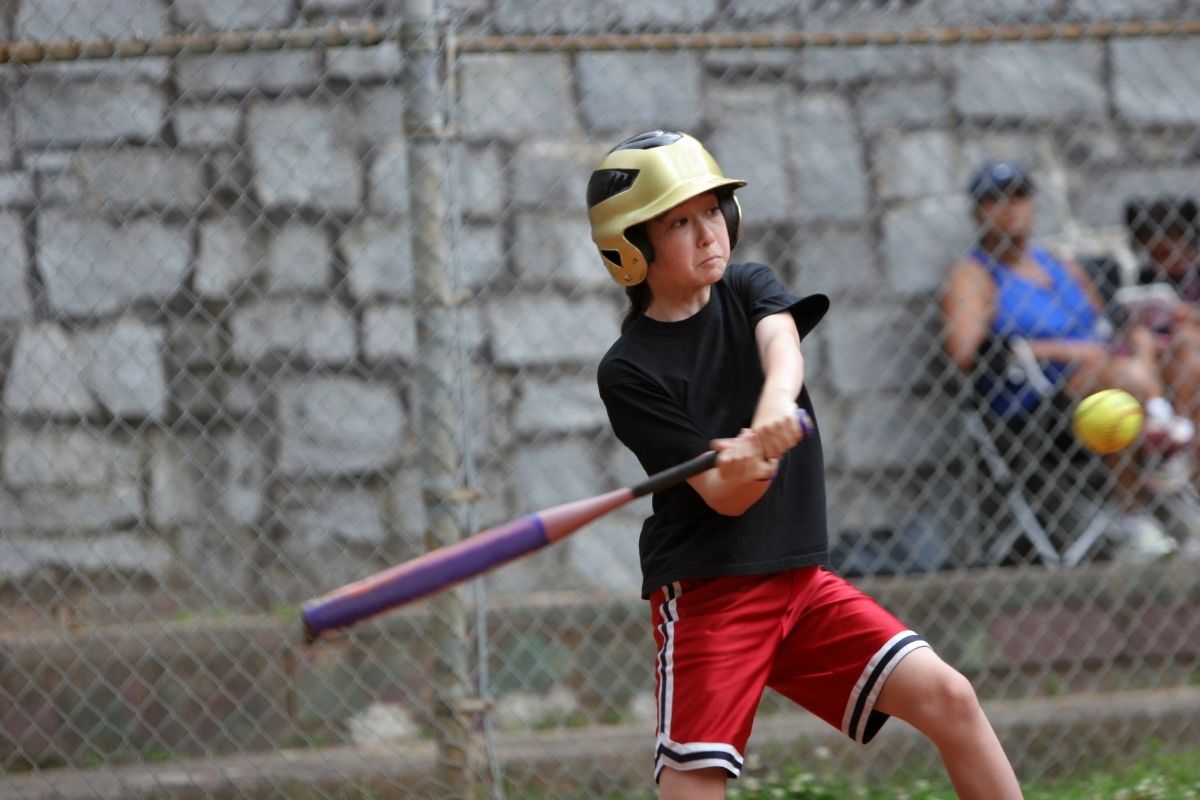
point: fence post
(440, 438)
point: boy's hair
(1150, 219)
(642, 177)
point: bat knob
(806, 423)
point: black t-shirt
(672, 387)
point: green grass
(1159, 776)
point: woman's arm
(967, 311)
(1085, 283)
(745, 464)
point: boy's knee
(955, 696)
(951, 705)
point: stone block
(839, 66)
(195, 339)
(531, 330)
(918, 103)
(478, 257)
(559, 405)
(16, 188)
(1045, 81)
(179, 467)
(554, 16)
(831, 179)
(404, 512)
(837, 262)
(225, 15)
(350, 516)
(335, 7)
(139, 178)
(314, 331)
(243, 474)
(557, 250)
(57, 114)
(304, 155)
(66, 458)
(379, 256)
(236, 74)
(228, 257)
(47, 374)
(757, 153)
(753, 63)
(1152, 82)
(876, 347)
(759, 11)
(553, 176)
(361, 64)
(54, 511)
(606, 557)
(205, 126)
(546, 473)
(299, 259)
(513, 98)
(71, 19)
(380, 113)
(1110, 10)
(668, 14)
(124, 553)
(1098, 196)
(154, 70)
(921, 240)
(620, 92)
(389, 334)
(388, 179)
(90, 267)
(916, 164)
(884, 433)
(480, 183)
(125, 371)
(15, 301)
(338, 426)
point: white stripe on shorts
(666, 658)
(866, 690)
(696, 755)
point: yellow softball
(1108, 420)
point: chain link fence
(293, 291)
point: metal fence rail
(292, 292)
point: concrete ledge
(1048, 736)
(145, 691)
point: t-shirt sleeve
(763, 294)
(647, 420)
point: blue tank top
(1030, 310)
(1027, 309)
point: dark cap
(997, 179)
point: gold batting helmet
(642, 177)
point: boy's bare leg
(696, 784)
(940, 703)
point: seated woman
(1008, 289)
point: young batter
(732, 562)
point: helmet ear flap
(639, 238)
(731, 209)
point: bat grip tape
(701, 463)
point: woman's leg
(696, 784)
(1181, 370)
(939, 702)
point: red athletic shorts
(807, 633)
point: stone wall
(207, 317)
